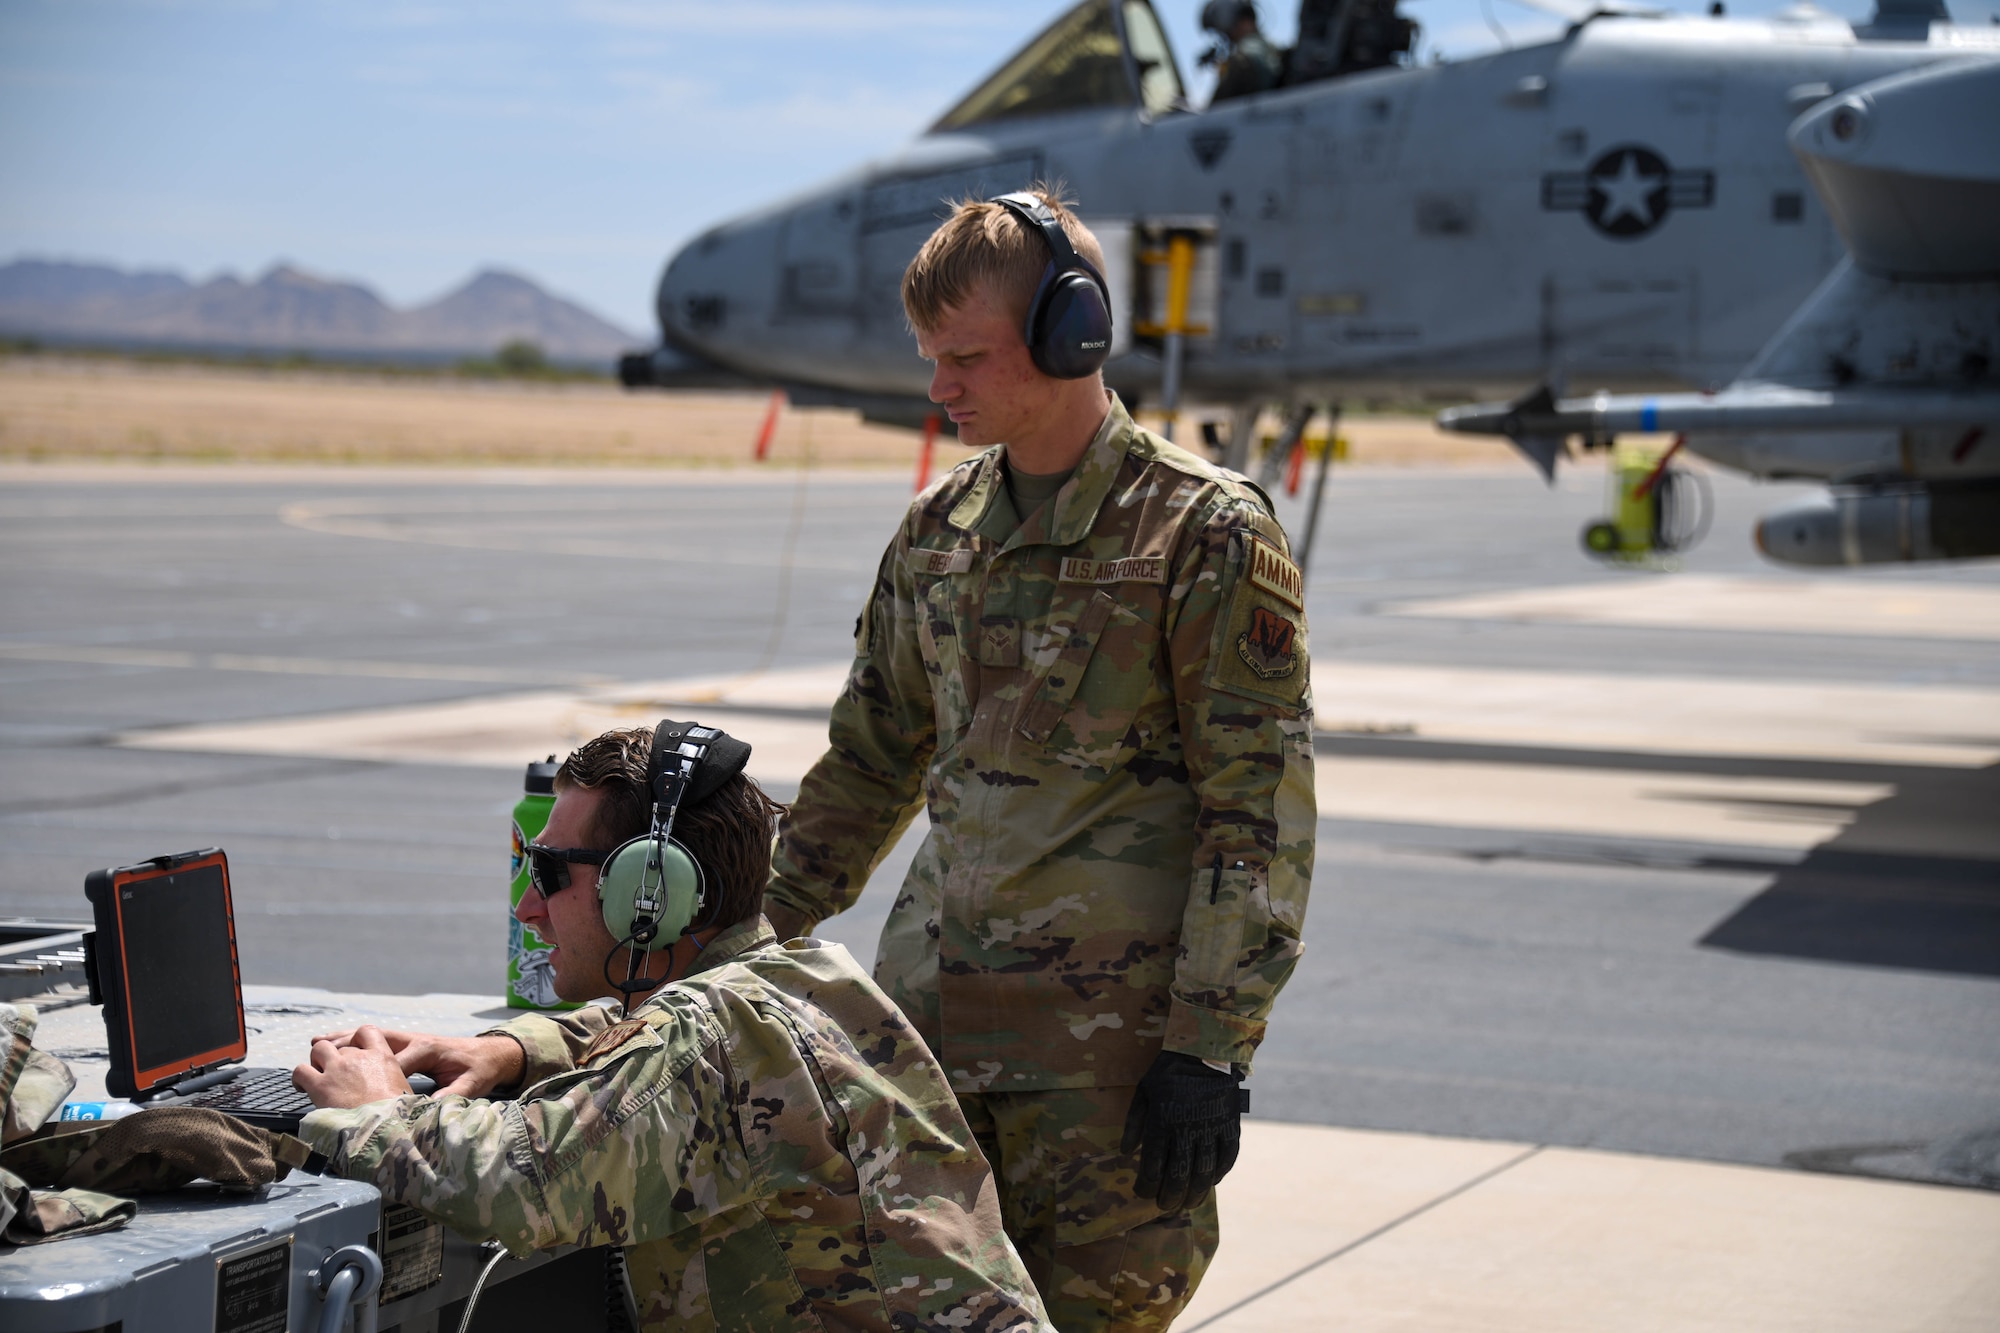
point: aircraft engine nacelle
(1871, 527)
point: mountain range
(288, 309)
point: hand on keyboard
(466, 1066)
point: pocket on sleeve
(1212, 930)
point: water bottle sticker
(520, 856)
(537, 980)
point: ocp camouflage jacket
(1106, 710)
(767, 1137)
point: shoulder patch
(941, 562)
(1260, 651)
(610, 1040)
(1269, 645)
(1271, 571)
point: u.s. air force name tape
(941, 562)
(1122, 569)
(1276, 575)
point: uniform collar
(1068, 518)
(733, 943)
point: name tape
(1123, 569)
(1276, 575)
(941, 562)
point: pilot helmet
(1222, 16)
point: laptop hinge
(177, 1084)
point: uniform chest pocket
(1089, 701)
(945, 658)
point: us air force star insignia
(1630, 197)
(1267, 647)
(1628, 191)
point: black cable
(627, 988)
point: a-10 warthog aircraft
(1617, 209)
(1884, 383)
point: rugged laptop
(163, 964)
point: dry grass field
(71, 409)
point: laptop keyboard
(267, 1090)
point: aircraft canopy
(1101, 54)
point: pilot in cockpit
(1247, 63)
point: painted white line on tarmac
(1822, 604)
(268, 664)
(503, 732)
(1883, 724)
(1887, 724)
(1787, 814)
(1574, 711)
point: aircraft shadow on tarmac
(1912, 882)
(1849, 901)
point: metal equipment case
(194, 1261)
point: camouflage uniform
(33, 1087)
(767, 1138)
(1106, 711)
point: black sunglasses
(548, 867)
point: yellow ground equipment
(1657, 510)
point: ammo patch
(610, 1040)
(941, 562)
(1276, 575)
(1124, 569)
(1270, 646)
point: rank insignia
(1267, 647)
(999, 641)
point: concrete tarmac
(1360, 1229)
(1701, 865)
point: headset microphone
(1068, 330)
(652, 889)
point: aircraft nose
(715, 297)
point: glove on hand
(1186, 1123)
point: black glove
(1186, 1123)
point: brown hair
(987, 244)
(729, 833)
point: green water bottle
(531, 981)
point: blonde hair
(987, 244)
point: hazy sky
(578, 141)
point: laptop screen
(180, 965)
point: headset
(651, 889)
(1069, 322)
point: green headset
(652, 889)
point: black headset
(1068, 331)
(651, 888)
